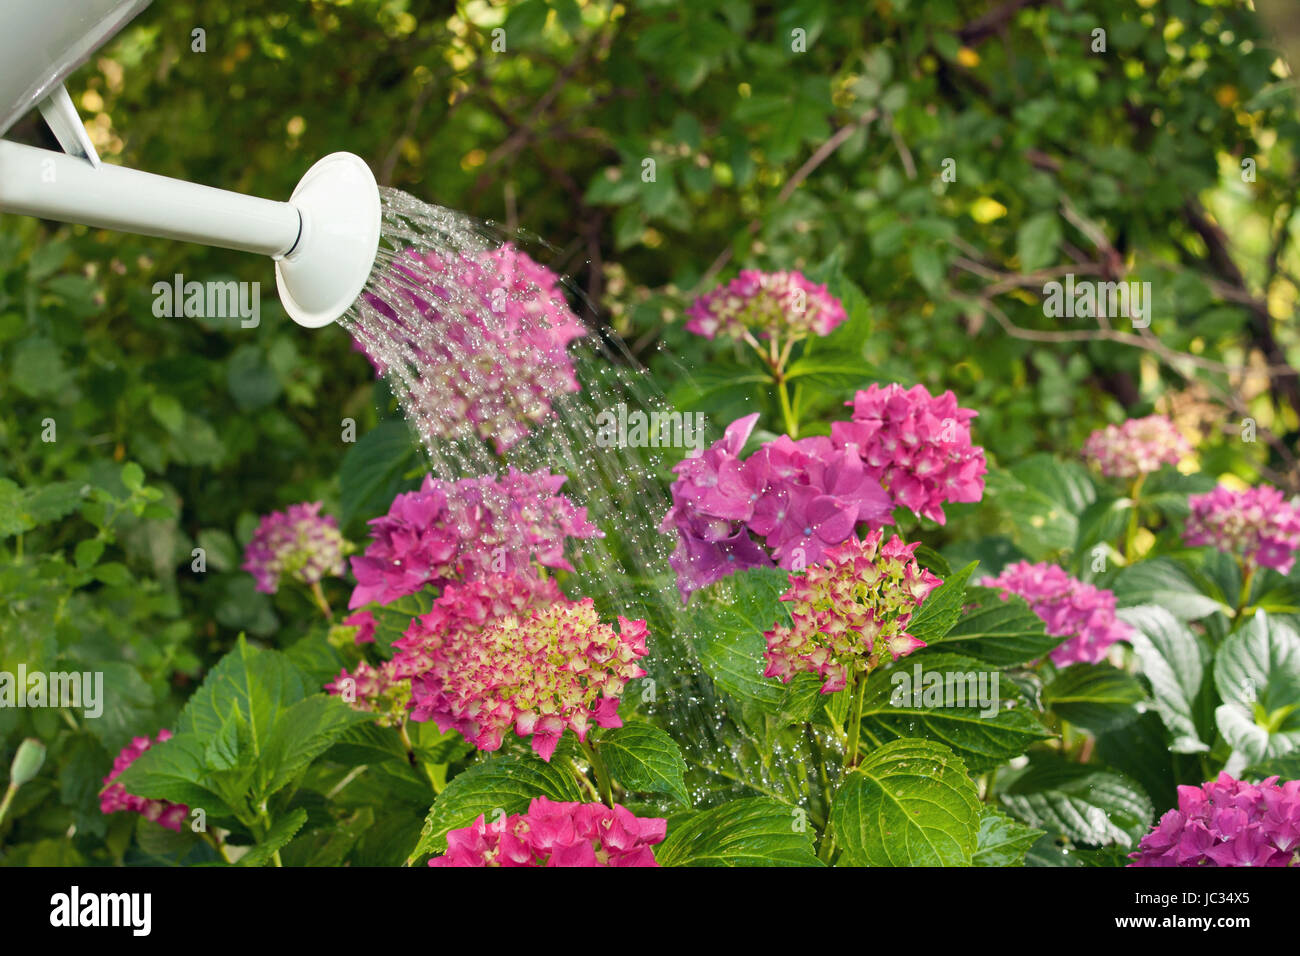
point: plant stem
(855, 722)
(324, 605)
(406, 742)
(1243, 599)
(1131, 534)
(8, 799)
(826, 849)
(216, 844)
(787, 412)
(602, 775)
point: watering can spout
(323, 240)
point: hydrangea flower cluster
(1068, 607)
(374, 690)
(463, 608)
(771, 304)
(918, 446)
(557, 834)
(466, 529)
(849, 612)
(1258, 525)
(554, 668)
(1140, 446)
(114, 796)
(489, 347)
(1227, 822)
(800, 497)
(299, 542)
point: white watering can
(323, 240)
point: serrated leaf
(1000, 632)
(644, 759)
(942, 607)
(174, 771)
(1002, 841)
(755, 831)
(500, 785)
(301, 734)
(1045, 499)
(373, 471)
(1088, 804)
(727, 621)
(281, 832)
(1257, 674)
(261, 683)
(1097, 697)
(832, 374)
(1173, 661)
(1287, 767)
(1166, 583)
(955, 701)
(908, 803)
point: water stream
(492, 368)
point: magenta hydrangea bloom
(1227, 822)
(918, 447)
(115, 798)
(492, 353)
(768, 304)
(466, 529)
(849, 612)
(557, 834)
(1139, 446)
(381, 691)
(485, 668)
(1068, 607)
(799, 498)
(1258, 525)
(299, 543)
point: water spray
(323, 240)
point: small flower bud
(27, 761)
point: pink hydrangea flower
(557, 834)
(466, 529)
(1139, 446)
(299, 543)
(1257, 525)
(381, 690)
(799, 497)
(115, 798)
(849, 612)
(918, 447)
(1068, 607)
(1227, 822)
(489, 344)
(491, 660)
(770, 304)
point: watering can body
(324, 239)
(42, 41)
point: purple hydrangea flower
(493, 358)
(799, 497)
(770, 304)
(1140, 446)
(466, 529)
(918, 447)
(1068, 607)
(1227, 822)
(1258, 525)
(300, 543)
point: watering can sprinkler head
(324, 239)
(338, 205)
